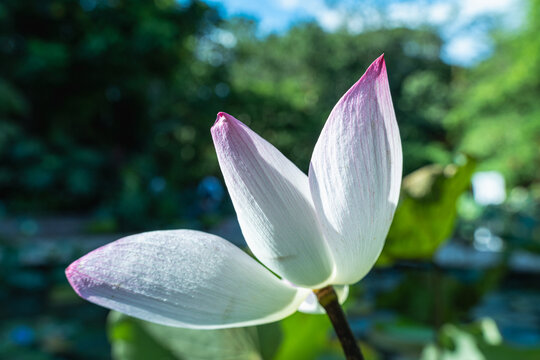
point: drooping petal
(272, 199)
(355, 174)
(183, 278)
(311, 304)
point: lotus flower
(327, 228)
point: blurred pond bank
(397, 309)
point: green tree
(496, 112)
(100, 98)
(303, 73)
(108, 104)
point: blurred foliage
(103, 103)
(301, 329)
(477, 341)
(105, 109)
(517, 220)
(496, 116)
(110, 104)
(41, 317)
(427, 210)
(137, 339)
(304, 82)
(431, 297)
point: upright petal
(272, 199)
(355, 174)
(183, 278)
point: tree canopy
(496, 111)
(106, 105)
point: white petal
(272, 199)
(311, 304)
(183, 278)
(355, 174)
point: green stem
(329, 301)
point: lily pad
(427, 211)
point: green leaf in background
(134, 339)
(427, 211)
(304, 336)
(270, 337)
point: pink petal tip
(224, 121)
(223, 117)
(376, 72)
(73, 276)
(376, 69)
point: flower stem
(329, 301)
